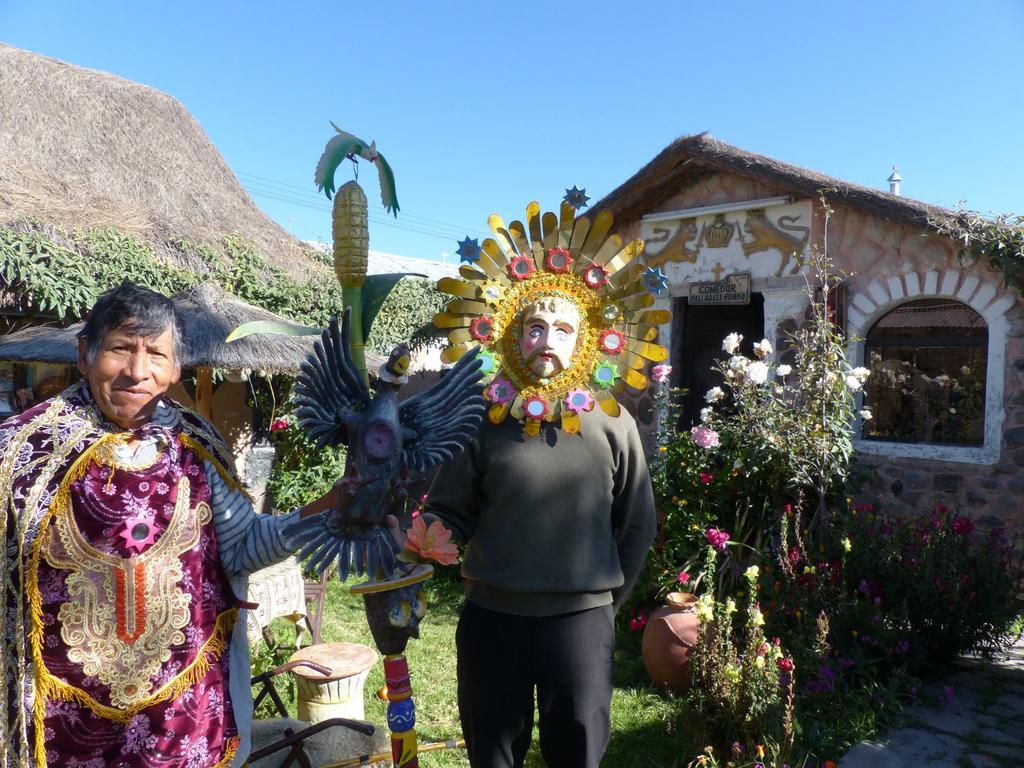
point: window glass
(927, 385)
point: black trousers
(568, 659)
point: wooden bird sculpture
(345, 145)
(385, 439)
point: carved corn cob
(351, 251)
(351, 235)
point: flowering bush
(878, 601)
(772, 434)
(940, 586)
(742, 683)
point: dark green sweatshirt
(553, 523)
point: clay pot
(668, 640)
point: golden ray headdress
(555, 256)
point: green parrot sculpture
(345, 145)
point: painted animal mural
(675, 248)
(767, 235)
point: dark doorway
(697, 334)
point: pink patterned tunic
(122, 609)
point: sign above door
(734, 289)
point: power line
(281, 187)
(326, 209)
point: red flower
(595, 276)
(785, 664)
(637, 619)
(706, 478)
(962, 525)
(520, 267)
(683, 577)
(612, 341)
(278, 424)
(482, 327)
(558, 260)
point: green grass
(645, 724)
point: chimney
(894, 182)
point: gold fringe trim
(229, 753)
(55, 689)
(200, 450)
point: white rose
(705, 414)
(731, 342)
(784, 370)
(763, 348)
(758, 372)
(714, 394)
(861, 373)
(866, 414)
(853, 383)
(738, 363)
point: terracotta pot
(668, 640)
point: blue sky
(483, 107)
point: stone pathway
(979, 724)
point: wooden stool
(340, 693)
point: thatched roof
(210, 314)
(690, 159)
(81, 149)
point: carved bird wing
(329, 393)
(388, 194)
(438, 423)
(337, 149)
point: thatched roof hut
(210, 314)
(81, 149)
(689, 160)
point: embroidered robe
(116, 611)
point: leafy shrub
(941, 586)
(742, 683)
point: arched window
(928, 362)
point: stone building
(943, 338)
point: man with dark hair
(127, 543)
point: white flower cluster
(855, 378)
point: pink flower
(683, 577)
(433, 543)
(717, 538)
(704, 437)
(660, 373)
(706, 478)
(784, 664)
(278, 424)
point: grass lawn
(644, 722)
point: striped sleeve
(247, 541)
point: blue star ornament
(576, 197)
(655, 281)
(468, 250)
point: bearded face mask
(549, 335)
